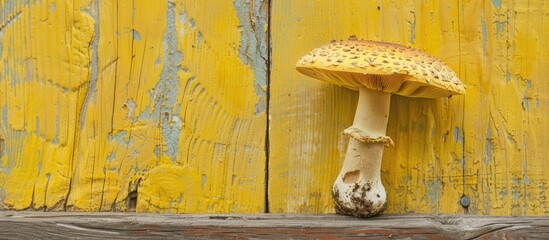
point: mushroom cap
(381, 66)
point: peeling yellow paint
(115, 105)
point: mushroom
(376, 70)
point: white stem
(358, 190)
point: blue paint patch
(198, 39)
(508, 76)
(183, 18)
(528, 84)
(458, 138)
(515, 191)
(525, 178)
(166, 89)
(503, 193)
(4, 126)
(204, 179)
(111, 156)
(156, 151)
(5, 117)
(484, 36)
(525, 98)
(253, 46)
(55, 139)
(29, 69)
(2, 149)
(120, 137)
(37, 127)
(488, 146)
(13, 148)
(433, 191)
(2, 51)
(39, 168)
(496, 3)
(14, 74)
(135, 35)
(412, 31)
(500, 26)
(10, 11)
(182, 21)
(94, 65)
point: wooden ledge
(59, 225)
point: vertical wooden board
(487, 145)
(45, 73)
(508, 120)
(153, 106)
(306, 116)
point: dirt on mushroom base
(362, 207)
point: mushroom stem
(358, 190)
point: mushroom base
(359, 199)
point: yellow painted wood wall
(114, 105)
(195, 106)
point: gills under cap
(381, 66)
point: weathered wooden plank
(26, 225)
(151, 106)
(506, 121)
(488, 144)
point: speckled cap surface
(381, 66)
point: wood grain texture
(488, 144)
(149, 106)
(17, 225)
